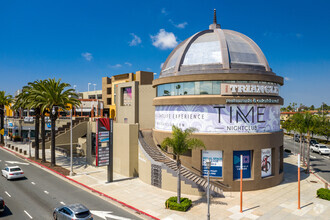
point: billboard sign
(246, 164)
(227, 118)
(103, 141)
(266, 162)
(249, 89)
(215, 157)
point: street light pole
(6, 128)
(89, 85)
(71, 168)
(208, 165)
(30, 142)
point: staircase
(196, 181)
(64, 129)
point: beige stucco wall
(146, 110)
(125, 149)
(128, 112)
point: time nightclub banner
(103, 141)
(228, 118)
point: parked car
(2, 204)
(321, 149)
(297, 138)
(14, 172)
(313, 142)
(74, 211)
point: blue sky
(83, 41)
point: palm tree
(54, 97)
(5, 100)
(179, 144)
(310, 123)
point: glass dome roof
(216, 51)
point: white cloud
(128, 64)
(161, 65)
(135, 41)
(115, 66)
(181, 25)
(148, 68)
(163, 11)
(87, 56)
(287, 79)
(164, 40)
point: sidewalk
(278, 202)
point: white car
(14, 172)
(321, 149)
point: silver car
(74, 211)
(14, 172)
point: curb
(87, 187)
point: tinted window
(323, 147)
(15, 169)
(82, 214)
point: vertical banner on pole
(298, 181)
(103, 141)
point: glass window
(216, 87)
(167, 89)
(178, 88)
(160, 90)
(189, 88)
(205, 87)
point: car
(2, 204)
(13, 172)
(297, 138)
(321, 149)
(313, 142)
(73, 211)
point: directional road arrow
(17, 162)
(106, 214)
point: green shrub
(323, 193)
(173, 205)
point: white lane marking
(17, 162)
(33, 183)
(313, 157)
(46, 192)
(105, 215)
(62, 203)
(7, 194)
(28, 214)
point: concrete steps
(196, 181)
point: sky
(81, 41)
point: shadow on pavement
(6, 212)
(291, 173)
(245, 210)
(204, 200)
(311, 203)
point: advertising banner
(246, 164)
(127, 96)
(215, 157)
(103, 141)
(266, 162)
(228, 118)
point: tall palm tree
(179, 144)
(5, 100)
(310, 123)
(56, 96)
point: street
(319, 163)
(36, 196)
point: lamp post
(89, 85)
(30, 142)
(71, 167)
(208, 165)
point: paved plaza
(279, 202)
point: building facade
(219, 82)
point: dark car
(297, 138)
(74, 211)
(313, 142)
(2, 205)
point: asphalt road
(36, 196)
(319, 163)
